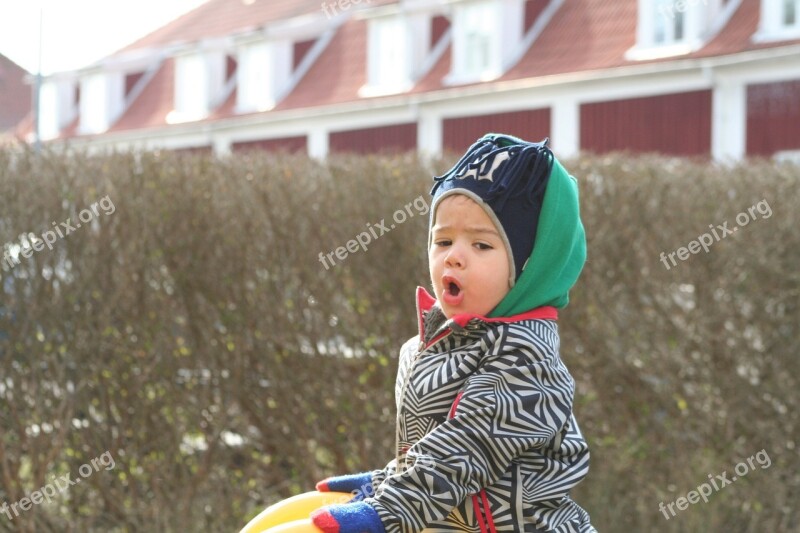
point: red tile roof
(71, 129)
(337, 74)
(586, 35)
(737, 34)
(433, 79)
(596, 34)
(582, 35)
(15, 94)
(151, 107)
(227, 109)
(218, 18)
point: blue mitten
(357, 517)
(360, 484)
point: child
(486, 438)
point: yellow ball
(294, 512)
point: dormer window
(388, 54)
(398, 50)
(253, 78)
(264, 69)
(58, 106)
(780, 20)
(487, 36)
(668, 28)
(199, 82)
(475, 46)
(479, 39)
(102, 102)
(191, 87)
(670, 23)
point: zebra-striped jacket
(486, 438)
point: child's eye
(443, 242)
(483, 246)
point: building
(15, 96)
(706, 78)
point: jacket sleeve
(404, 364)
(514, 402)
(379, 476)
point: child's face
(468, 260)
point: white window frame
(792, 6)
(94, 104)
(56, 107)
(774, 26)
(489, 37)
(253, 92)
(667, 28)
(191, 89)
(102, 101)
(388, 56)
(668, 22)
(476, 26)
(478, 40)
(263, 74)
(199, 80)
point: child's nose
(455, 257)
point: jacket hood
(558, 255)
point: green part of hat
(559, 252)
(502, 139)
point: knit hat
(507, 177)
(533, 203)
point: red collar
(425, 301)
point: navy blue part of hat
(510, 175)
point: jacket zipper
(406, 380)
(483, 512)
(420, 348)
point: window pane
(664, 21)
(660, 29)
(190, 85)
(679, 22)
(790, 12)
(669, 21)
(390, 42)
(253, 91)
(93, 108)
(479, 24)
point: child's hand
(357, 517)
(360, 484)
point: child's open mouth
(452, 293)
(453, 289)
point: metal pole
(37, 92)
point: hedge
(225, 338)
